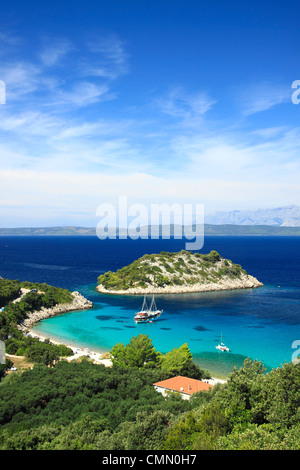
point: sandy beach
(79, 302)
(98, 357)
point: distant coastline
(209, 230)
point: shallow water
(257, 323)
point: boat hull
(146, 318)
(222, 348)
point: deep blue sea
(258, 323)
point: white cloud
(180, 104)
(20, 78)
(269, 132)
(55, 52)
(262, 96)
(82, 94)
(57, 80)
(112, 58)
(30, 123)
(51, 195)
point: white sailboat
(142, 315)
(146, 314)
(153, 310)
(222, 346)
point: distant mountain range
(288, 216)
(209, 230)
(281, 221)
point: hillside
(83, 406)
(177, 273)
(24, 303)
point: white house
(184, 385)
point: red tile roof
(184, 385)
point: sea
(261, 324)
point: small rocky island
(175, 273)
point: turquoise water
(194, 319)
(257, 323)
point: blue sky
(161, 101)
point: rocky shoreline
(79, 303)
(244, 282)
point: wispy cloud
(55, 52)
(82, 94)
(9, 40)
(21, 78)
(112, 57)
(61, 77)
(180, 104)
(28, 124)
(262, 96)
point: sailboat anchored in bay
(146, 315)
(222, 346)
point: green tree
(139, 352)
(198, 434)
(182, 434)
(241, 395)
(4, 367)
(212, 424)
(43, 353)
(179, 362)
(174, 361)
(9, 290)
(264, 437)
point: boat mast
(144, 306)
(153, 305)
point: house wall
(166, 391)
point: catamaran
(222, 346)
(146, 315)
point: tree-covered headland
(13, 313)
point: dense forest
(87, 406)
